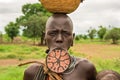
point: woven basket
(61, 6)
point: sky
(90, 13)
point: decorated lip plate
(58, 60)
(61, 6)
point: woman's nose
(59, 39)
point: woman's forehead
(61, 18)
(60, 23)
(61, 26)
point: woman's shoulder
(85, 64)
(30, 72)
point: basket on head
(61, 6)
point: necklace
(71, 67)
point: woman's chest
(75, 75)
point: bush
(113, 34)
(77, 38)
(117, 62)
(11, 56)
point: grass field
(104, 56)
(21, 51)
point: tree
(36, 8)
(85, 37)
(34, 20)
(101, 32)
(35, 27)
(80, 36)
(12, 30)
(77, 37)
(113, 34)
(91, 33)
(31, 9)
(1, 37)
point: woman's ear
(44, 38)
(73, 35)
(73, 39)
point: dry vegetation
(106, 51)
(104, 56)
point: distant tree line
(1, 37)
(103, 33)
(32, 23)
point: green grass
(76, 54)
(16, 73)
(94, 41)
(11, 73)
(109, 64)
(101, 64)
(21, 51)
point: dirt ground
(15, 62)
(92, 51)
(106, 51)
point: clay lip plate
(58, 60)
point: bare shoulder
(86, 64)
(30, 72)
(88, 68)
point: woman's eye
(52, 34)
(66, 33)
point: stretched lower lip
(59, 47)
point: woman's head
(108, 75)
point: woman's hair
(108, 75)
